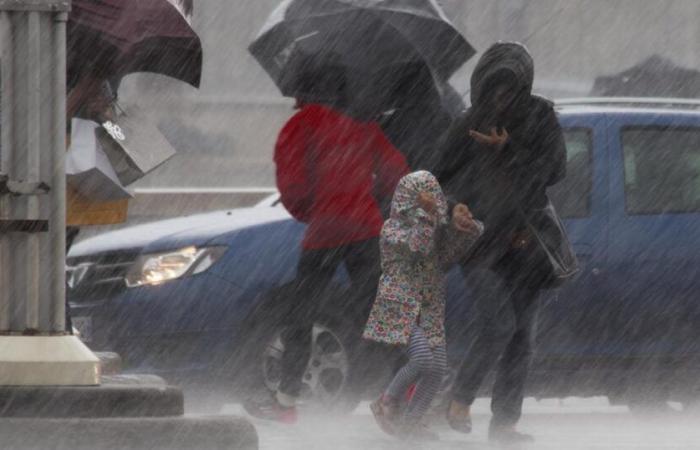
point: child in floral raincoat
(419, 243)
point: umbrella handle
(117, 110)
(118, 107)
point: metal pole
(33, 128)
(7, 118)
(57, 218)
(34, 349)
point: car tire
(329, 383)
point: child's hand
(427, 203)
(463, 220)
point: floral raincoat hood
(404, 205)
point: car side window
(662, 170)
(572, 195)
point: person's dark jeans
(505, 320)
(314, 273)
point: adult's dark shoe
(459, 417)
(508, 435)
(271, 409)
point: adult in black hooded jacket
(499, 158)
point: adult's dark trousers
(505, 315)
(315, 272)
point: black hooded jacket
(498, 185)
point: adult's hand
(497, 138)
(463, 220)
(90, 98)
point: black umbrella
(654, 77)
(113, 38)
(420, 111)
(355, 38)
(186, 7)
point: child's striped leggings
(426, 368)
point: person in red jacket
(332, 173)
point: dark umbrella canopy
(360, 36)
(112, 38)
(421, 110)
(654, 77)
(186, 6)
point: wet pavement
(575, 424)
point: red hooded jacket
(331, 170)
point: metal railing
(630, 101)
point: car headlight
(158, 268)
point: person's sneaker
(385, 414)
(508, 435)
(271, 409)
(459, 417)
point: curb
(172, 433)
(107, 400)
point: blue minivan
(200, 299)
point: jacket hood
(511, 56)
(404, 205)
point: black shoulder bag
(547, 230)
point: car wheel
(328, 381)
